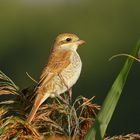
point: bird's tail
(38, 101)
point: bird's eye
(68, 39)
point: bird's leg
(62, 99)
(70, 94)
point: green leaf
(103, 118)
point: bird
(61, 72)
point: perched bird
(61, 72)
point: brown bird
(62, 71)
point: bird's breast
(72, 72)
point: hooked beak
(80, 42)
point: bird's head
(67, 41)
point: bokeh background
(27, 31)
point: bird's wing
(57, 62)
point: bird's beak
(80, 42)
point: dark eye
(68, 39)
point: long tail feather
(38, 101)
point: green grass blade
(103, 118)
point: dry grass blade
(7, 80)
(125, 137)
(7, 89)
(3, 111)
(7, 102)
(60, 138)
(18, 129)
(5, 92)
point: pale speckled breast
(72, 72)
(67, 78)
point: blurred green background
(27, 31)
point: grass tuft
(59, 117)
(14, 128)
